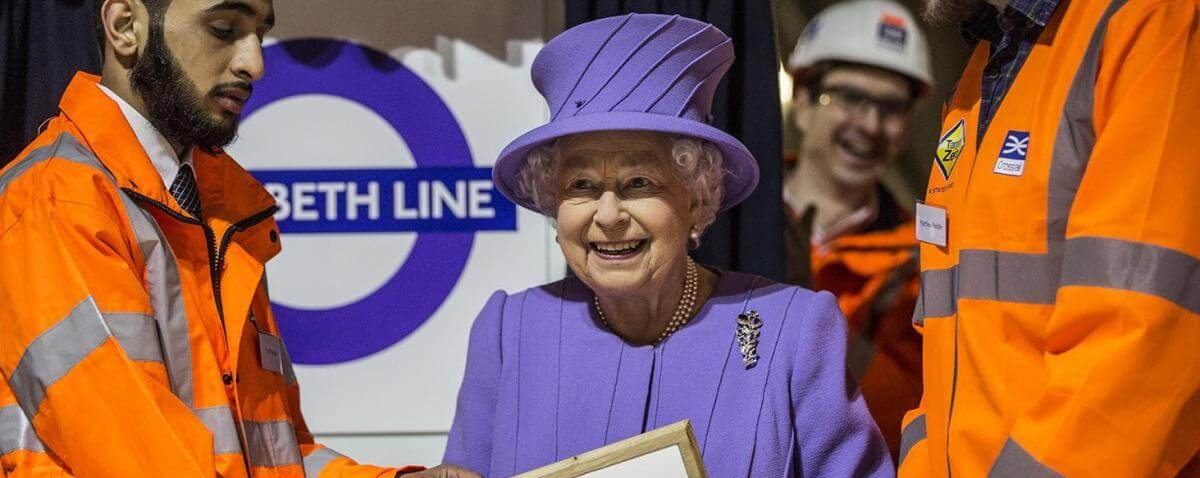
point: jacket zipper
(216, 254)
(218, 260)
(220, 249)
(216, 251)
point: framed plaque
(667, 452)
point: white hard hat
(879, 33)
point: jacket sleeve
(318, 460)
(834, 431)
(321, 461)
(470, 441)
(1121, 344)
(914, 460)
(66, 269)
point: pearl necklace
(683, 311)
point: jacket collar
(156, 145)
(228, 193)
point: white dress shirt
(157, 147)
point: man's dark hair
(157, 9)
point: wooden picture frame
(652, 445)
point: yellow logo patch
(950, 147)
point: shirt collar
(1037, 11)
(161, 154)
(856, 221)
(985, 25)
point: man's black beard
(173, 103)
(951, 12)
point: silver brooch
(748, 328)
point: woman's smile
(618, 251)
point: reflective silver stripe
(318, 460)
(938, 295)
(289, 372)
(1007, 276)
(166, 299)
(219, 421)
(989, 275)
(271, 443)
(1076, 136)
(16, 433)
(1133, 266)
(137, 334)
(1015, 462)
(64, 147)
(918, 317)
(911, 435)
(1035, 278)
(56, 352)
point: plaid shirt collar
(990, 24)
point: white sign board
(379, 154)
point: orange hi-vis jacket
(1061, 321)
(130, 330)
(874, 276)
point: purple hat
(641, 72)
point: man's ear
(801, 108)
(125, 26)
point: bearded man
(136, 335)
(1060, 265)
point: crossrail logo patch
(1011, 161)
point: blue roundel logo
(445, 200)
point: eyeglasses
(859, 102)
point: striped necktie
(185, 191)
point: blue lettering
(388, 200)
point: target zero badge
(950, 148)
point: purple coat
(546, 381)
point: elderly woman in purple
(642, 336)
